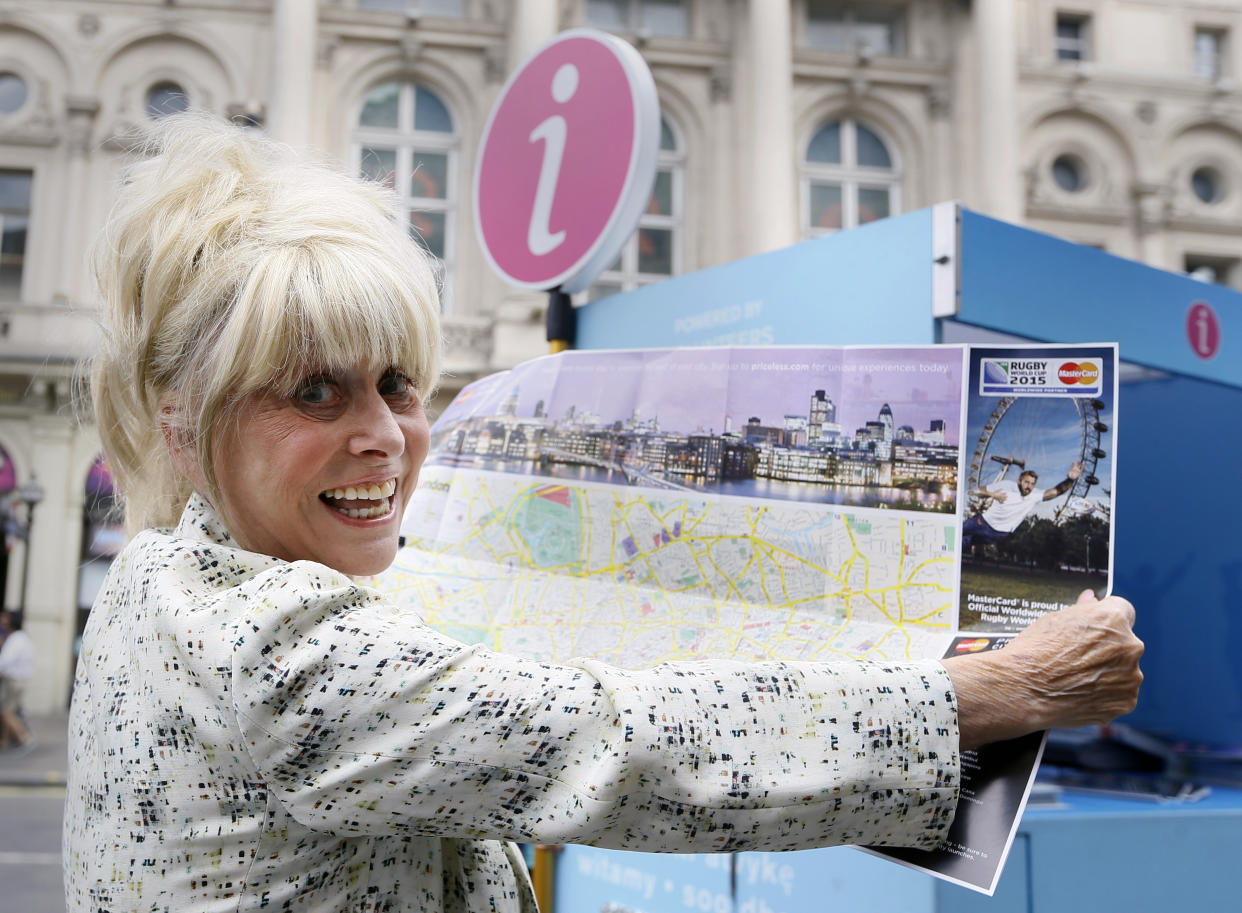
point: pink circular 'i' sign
(1203, 330)
(567, 161)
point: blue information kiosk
(947, 274)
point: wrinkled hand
(1070, 668)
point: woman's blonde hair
(233, 265)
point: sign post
(566, 167)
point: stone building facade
(1114, 123)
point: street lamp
(30, 494)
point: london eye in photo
(1015, 434)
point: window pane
(825, 205)
(661, 202)
(1208, 47)
(430, 113)
(871, 150)
(655, 251)
(668, 141)
(15, 190)
(12, 254)
(379, 165)
(881, 34)
(449, 9)
(1069, 172)
(165, 98)
(1071, 40)
(12, 92)
(430, 177)
(607, 14)
(872, 204)
(428, 229)
(826, 27)
(1206, 184)
(380, 108)
(13, 238)
(665, 17)
(826, 145)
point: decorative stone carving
(494, 69)
(325, 50)
(411, 49)
(81, 111)
(939, 101)
(721, 82)
(88, 25)
(1151, 205)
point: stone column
(996, 55)
(770, 186)
(54, 542)
(81, 111)
(294, 24)
(533, 22)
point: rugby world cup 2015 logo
(1041, 376)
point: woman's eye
(396, 385)
(315, 393)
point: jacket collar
(201, 521)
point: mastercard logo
(972, 646)
(1075, 373)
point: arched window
(406, 137)
(849, 178)
(654, 251)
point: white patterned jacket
(252, 734)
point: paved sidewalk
(42, 763)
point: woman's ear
(180, 444)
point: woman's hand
(1075, 667)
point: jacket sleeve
(363, 720)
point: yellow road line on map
(923, 564)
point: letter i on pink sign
(567, 161)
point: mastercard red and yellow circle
(1075, 373)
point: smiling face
(324, 474)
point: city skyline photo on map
(919, 383)
(864, 426)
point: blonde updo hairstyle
(232, 265)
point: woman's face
(324, 475)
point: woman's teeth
(363, 492)
(351, 495)
(368, 513)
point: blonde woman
(253, 729)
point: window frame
(27, 214)
(413, 8)
(1064, 48)
(849, 175)
(406, 142)
(635, 25)
(1218, 68)
(898, 16)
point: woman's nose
(374, 427)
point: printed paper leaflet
(646, 506)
